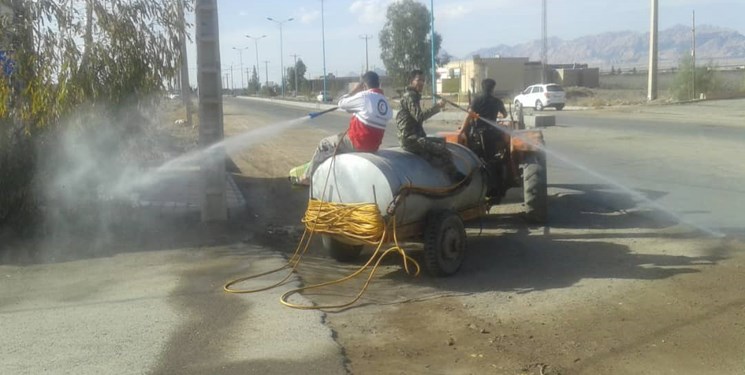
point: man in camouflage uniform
(411, 135)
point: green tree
(129, 50)
(405, 40)
(443, 58)
(253, 83)
(706, 80)
(290, 76)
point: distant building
(512, 75)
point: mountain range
(629, 49)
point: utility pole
(240, 55)
(212, 168)
(693, 56)
(652, 78)
(256, 48)
(366, 37)
(295, 69)
(544, 49)
(281, 51)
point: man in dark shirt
(480, 135)
(483, 138)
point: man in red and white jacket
(370, 114)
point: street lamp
(256, 45)
(281, 52)
(240, 55)
(366, 37)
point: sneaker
(299, 181)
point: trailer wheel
(535, 188)
(444, 243)
(341, 251)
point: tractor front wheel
(444, 243)
(535, 188)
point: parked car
(324, 97)
(541, 96)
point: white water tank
(379, 177)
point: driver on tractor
(487, 142)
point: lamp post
(256, 48)
(281, 52)
(366, 37)
(240, 55)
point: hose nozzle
(313, 115)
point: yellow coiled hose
(362, 222)
(357, 221)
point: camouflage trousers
(328, 147)
(434, 151)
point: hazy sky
(466, 25)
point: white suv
(541, 96)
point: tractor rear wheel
(535, 188)
(444, 243)
(341, 251)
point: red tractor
(516, 158)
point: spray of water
(134, 180)
(621, 187)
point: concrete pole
(652, 78)
(213, 197)
(693, 56)
(544, 47)
(256, 48)
(367, 61)
(240, 56)
(281, 51)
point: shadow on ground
(583, 241)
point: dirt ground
(619, 291)
(629, 294)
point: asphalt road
(691, 171)
(681, 165)
(629, 276)
(160, 309)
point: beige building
(512, 75)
